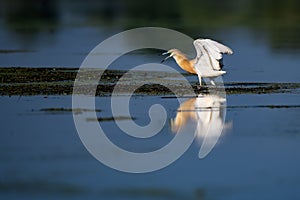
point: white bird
(208, 62)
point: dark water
(41, 155)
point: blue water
(252, 60)
(42, 155)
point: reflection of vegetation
(279, 19)
(31, 15)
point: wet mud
(59, 81)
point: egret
(208, 62)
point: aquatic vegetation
(59, 81)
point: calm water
(263, 34)
(42, 156)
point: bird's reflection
(205, 113)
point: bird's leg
(212, 82)
(200, 81)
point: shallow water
(252, 61)
(41, 155)
(263, 34)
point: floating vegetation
(265, 106)
(15, 51)
(59, 81)
(67, 110)
(107, 119)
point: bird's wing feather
(202, 60)
(222, 48)
(213, 50)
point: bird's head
(172, 53)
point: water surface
(257, 157)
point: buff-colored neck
(185, 63)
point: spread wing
(211, 52)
